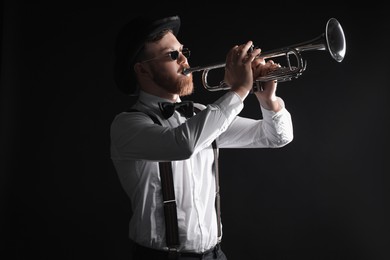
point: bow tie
(186, 108)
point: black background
(324, 196)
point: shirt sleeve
(272, 131)
(134, 136)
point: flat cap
(130, 41)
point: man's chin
(186, 90)
(186, 86)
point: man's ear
(140, 69)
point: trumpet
(332, 40)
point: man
(151, 143)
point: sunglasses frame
(174, 55)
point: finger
(251, 53)
(246, 47)
(256, 63)
(259, 59)
(231, 54)
(242, 50)
(253, 56)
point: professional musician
(153, 140)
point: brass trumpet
(332, 40)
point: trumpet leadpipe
(202, 68)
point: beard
(181, 85)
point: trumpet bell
(335, 40)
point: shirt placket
(175, 121)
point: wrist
(242, 92)
(271, 104)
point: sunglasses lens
(186, 52)
(174, 55)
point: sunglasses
(174, 55)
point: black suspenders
(169, 200)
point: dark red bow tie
(186, 108)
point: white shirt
(137, 144)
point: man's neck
(162, 94)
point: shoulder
(199, 106)
(134, 116)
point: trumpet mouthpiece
(186, 71)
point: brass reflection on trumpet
(332, 41)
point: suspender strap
(217, 193)
(170, 211)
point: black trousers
(145, 253)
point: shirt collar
(151, 101)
